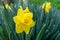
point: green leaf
(39, 36)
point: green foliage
(55, 3)
(47, 25)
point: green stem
(27, 37)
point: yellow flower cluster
(47, 6)
(23, 20)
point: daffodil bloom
(23, 20)
(7, 6)
(47, 6)
(43, 6)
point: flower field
(29, 20)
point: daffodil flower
(47, 6)
(23, 20)
(7, 6)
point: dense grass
(55, 3)
(47, 25)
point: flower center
(26, 21)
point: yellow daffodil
(43, 6)
(47, 6)
(23, 20)
(7, 6)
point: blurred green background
(55, 3)
(53, 20)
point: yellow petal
(21, 7)
(48, 6)
(28, 15)
(7, 6)
(32, 24)
(43, 6)
(16, 20)
(26, 29)
(26, 10)
(19, 29)
(20, 12)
